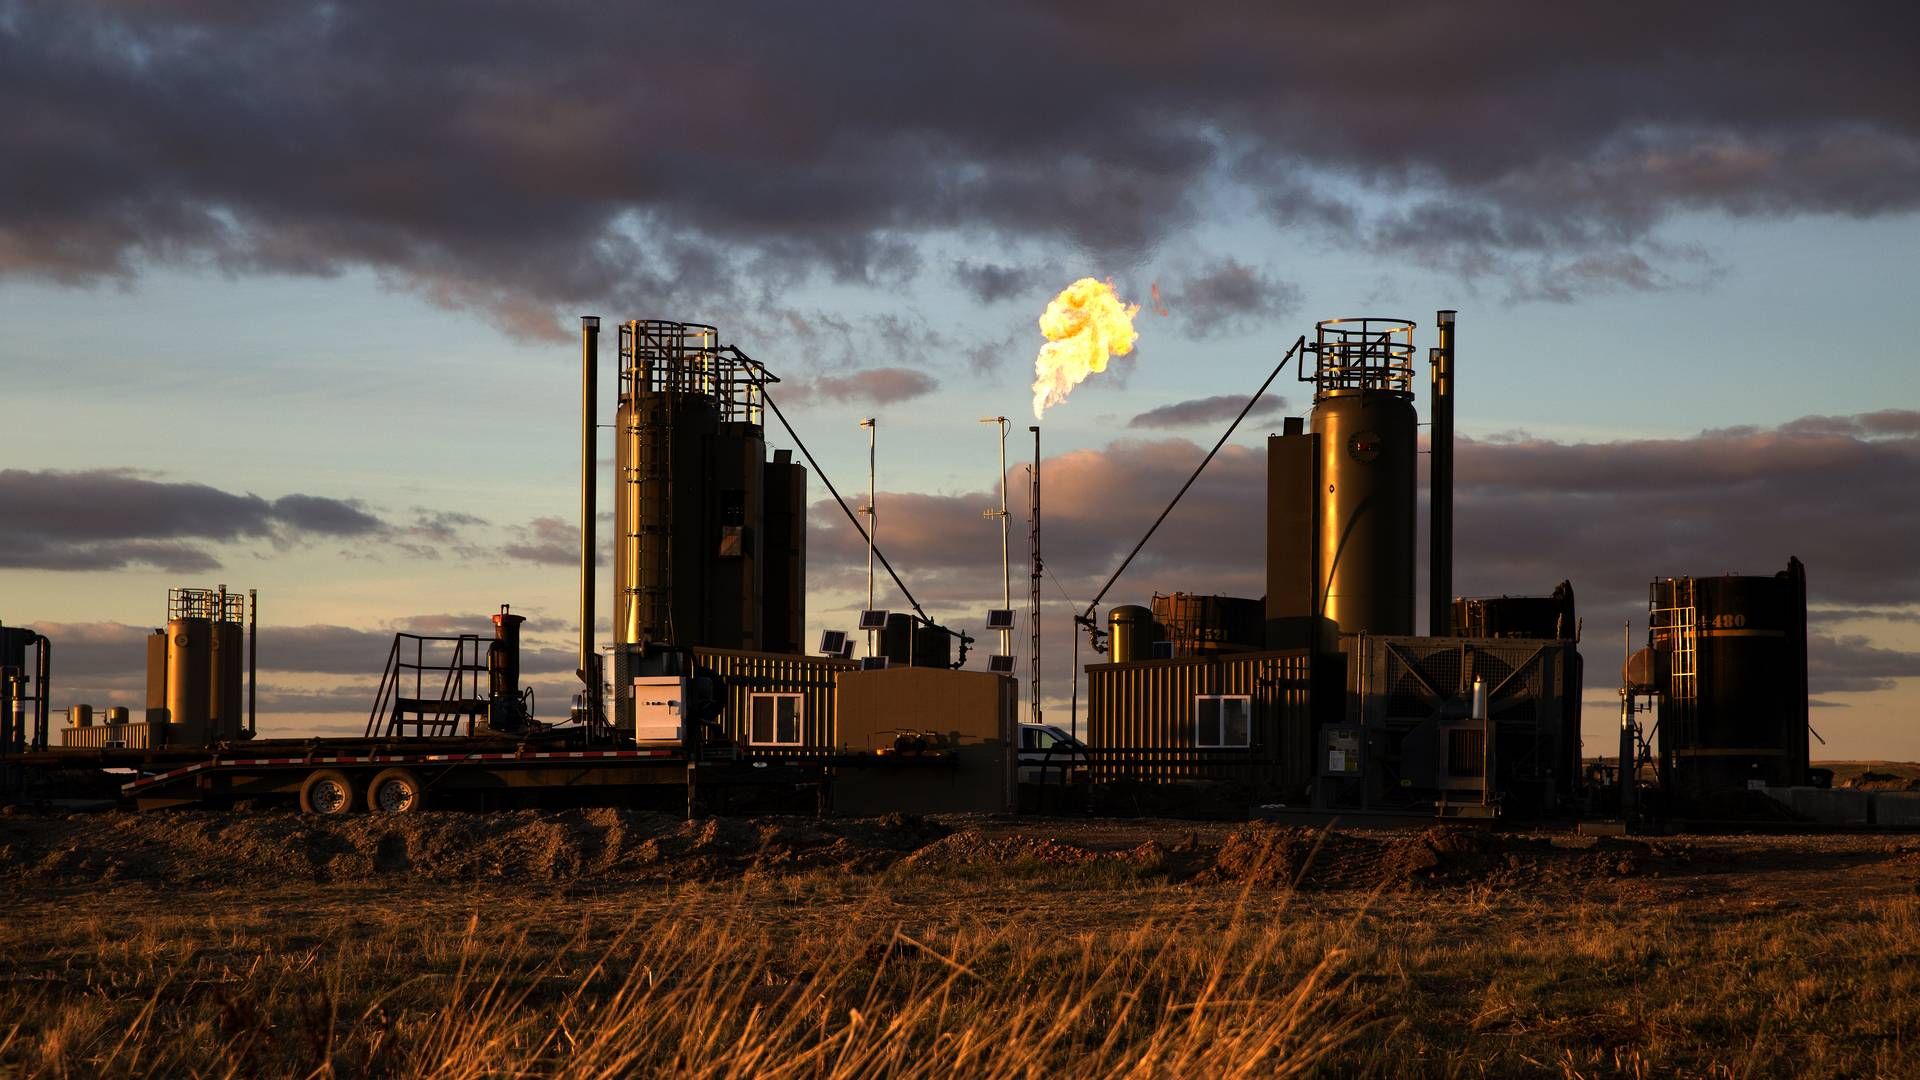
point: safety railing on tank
(215, 604)
(1361, 354)
(687, 358)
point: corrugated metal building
(1242, 717)
(778, 702)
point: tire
(396, 791)
(328, 792)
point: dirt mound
(972, 847)
(1310, 858)
(525, 846)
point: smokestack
(1440, 485)
(589, 480)
(253, 657)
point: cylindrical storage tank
(1740, 700)
(118, 714)
(189, 693)
(1130, 633)
(1369, 457)
(226, 671)
(80, 716)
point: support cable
(1086, 618)
(767, 399)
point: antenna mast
(871, 511)
(1006, 572)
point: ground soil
(610, 847)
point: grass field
(972, 947)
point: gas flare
(1084, 325)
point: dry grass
(1027, 970)
(696, 984)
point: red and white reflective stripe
(389, 759)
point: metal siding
(749, 673)
(133, 735)
(1141, 714)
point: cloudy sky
(288, 294)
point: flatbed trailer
(340, 776)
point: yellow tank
(1130, 633)
(227, 662)
(189, 677)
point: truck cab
(1051, 755)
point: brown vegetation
(605, 943)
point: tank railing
(1362, 354)
(206, 604)
(684, 358)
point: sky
(290, 296)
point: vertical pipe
(1037, 567)
(1440, 484)
(43, 675)
(1480, 713)
(589, 483)
(253, 658)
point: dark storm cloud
(518, 160)
(1853, 664)
(991, 283)
(106, 519)
(1838, 492)
(1207, 410)
(1229, 297)
(325, 517)
(547, 540)
(874, 386)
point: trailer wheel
(396, 791)
(327, 791)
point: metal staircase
(431, 687)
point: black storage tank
(1736, 703)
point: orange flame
(1084, 325)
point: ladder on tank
(1677, 628)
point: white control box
(659, 708)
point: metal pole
(1006, 571)
(1440, 484)
(1480, 713)
(871, 511)
(253, 658)
(1037, 567)
(589, 492)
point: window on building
(1222, 720)
(774, 719)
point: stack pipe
(589, 444)
(1440, 485)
